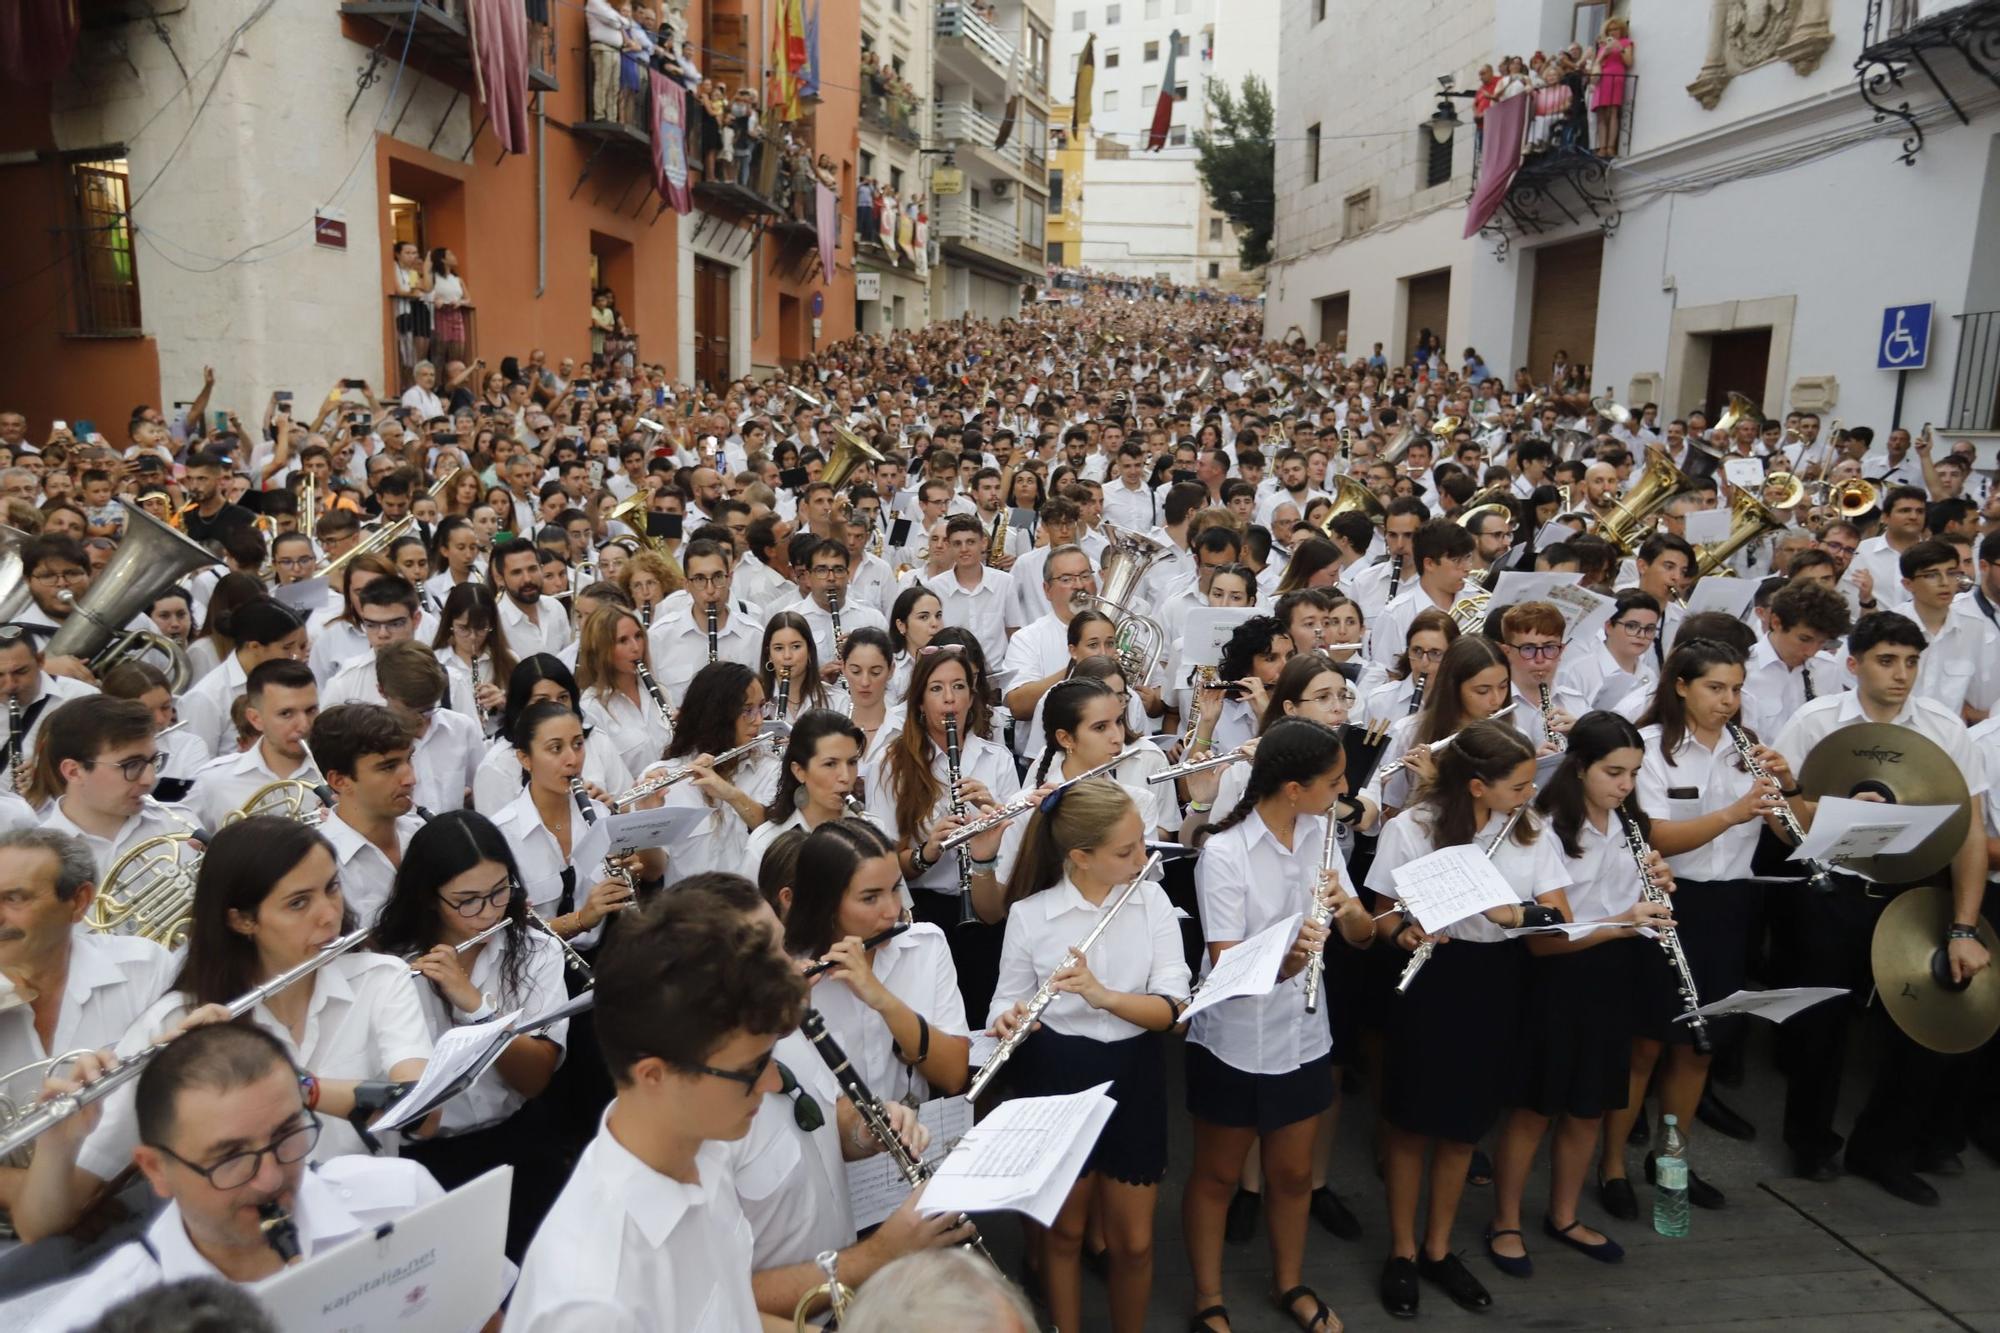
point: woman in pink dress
(1611, 61)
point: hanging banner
(827, 217)
(670, 168)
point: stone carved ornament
(1743, 34)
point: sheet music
(458, 1053)
(1844, 829)
(1250, 968)
(1776, 1005)
(662, 826)
(875, 1188)
(1450, 885)
(1016, 1158)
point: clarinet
(714, 644)
(659, 695)
(1322, 911)
(1821, 876)
(1395, 574)
(1424, 951)
(833, 613)
(874, 1115)
(965, 912)
(280, 1232)
(784, 691)
(1556, 738)
(1416, 693)
(1670, 938)
(18, 742)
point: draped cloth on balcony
(826, 217)
(669, 119)
(37, 39)
(1500, 157)
(500, 67)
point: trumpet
(53, 1112)
(1436, 745)
(1821, 874)
(1027, 801)
(1322, 911)
(1670, 938)
(772, 734)
(1424, 951)
(1046, 995)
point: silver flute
(473, 943)
(874, 1115)
(1222, 760)
(1556, 738)
(952, 757)
(47, 1115)
(1669, 937)
(1027, 801)
(1436, 745)
(1045, 996)
(1322, 911)
(640, 791)
(659, 696)
(1820, 875)
(1423, 952)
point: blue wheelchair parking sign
(1905, 341)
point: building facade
(1067, 168)
(251, 225)
(989, 218)
(1782, 177)
(893, 268)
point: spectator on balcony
(604, 24)
(1553, 101)
(865, 228)
(743, 129)
(449, 322)
(716, 138)
(1610, 62)
(413, 314)
(603, 322)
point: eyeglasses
(49, 576)
(806, 1112)
(134, 768)
(294, 562)
(1426, 654)
(749, 1078)
(239, 1169)
(396, 626)
(1537, 652)
(1942, 574)
(1839, 548)
(501, 892)
(1638, 629)
(708, 580)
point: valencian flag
(1163, 113)
(1086, 79)
(788, 60)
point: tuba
(1632, 517)
(1350, 496)
(1749, 519)
(848, 448)
(14, 598)
(1495, 499)
(149, 892)
(1141, 640)
(151, 558)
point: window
(1180, 92)
(1149, 96)
(106, 292)
(1111, 60)
(1038, 56)
(1181, 45)
(1358, 213)
(867, 163)
(1037, 219)
(1176, 136)
(1055, 191)
(1112, 14)
(1214, 270)
(1110, 102)
(1152, 9)
(1437, 158)
(1078, 20)
(1215, 229)
(1152, 52)
(1312, 153)
(896, 181)
(1055, 252)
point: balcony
(1900, 33)
(418, 337)
(970, 47)
(542, 55)
(433, 28)
(893, 112)
(984, 238)
(1565, 178)
(967, 127)
(611, 114)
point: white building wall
(902, 31)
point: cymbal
(1904, 767)
(1913, 976)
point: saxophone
(996, 546)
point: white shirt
(1604, 881)
(1595, 679)
(626, 1249)
(1139, 953)
(489, 1100)
(1245, 881)
(110, 981)
(446, 758)
(1961, 666)
(1368, 587)
(55, 691)
(1820, 718)
(152, 820)
(335, 643)
(341, 1199)
(352, 682)
(637, 729)
(721, 840)
(542, 863)
(916, 968)
(679, 646)
(1389, 633)
(1699, 782)
(1883, 563)
(1130, 508)
(367, 875)
(1527, 717)
(1773, 691)
(792, 1185)
(1033, 651)
(981, 609)
(206, 703)
(853, 616)
(226, 782)
(548, 633)
(1537, 868)
(980, 758)
(762, 586)
(362, 1021)
(499, 778)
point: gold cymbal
(1913, 976)
(1903, 767)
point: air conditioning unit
(1002, 188)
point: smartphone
(60, 425)
(283, 395)
(793, 478)
(666, 526)
(354, 384)
(445, 437)
(899, 532)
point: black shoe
(1700, 1193)
(1479, 1171)
(1642, 1131)
(1399, 1287)
(1820, 1168)
(1720, 1118)
(1241, 1223)
(1942, 1162)
(1456, 1279)
(1335, 1216)
(1616, 1199)
(1900, 1181)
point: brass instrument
(1469, 611)
(848, 450)
(1750, 519)
(631, 512)
(1632, 516)
(309, 508)
(659, 696)
(1027, 801)
(1612, 410)
(1322, 910)
(1911, 962)
(1557, 740)
(1046, 994)
(1790, 491)
(151, 557)
(1740, 406)
(1495, 499)
(1854, 497)
(1904, 767)
(14, 594)
(836, 1293)
(286, 799)
(1141, 640)
(149, 891)
(1670, 938)
(996, 545)
(1350, 496)
(47, 1115)
(374, 543)
(1819, 875)
(1422, 953)
(772, 733)
(966, 914)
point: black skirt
(1133, 1147)
(1713, 918)
(1575, 1051)
(1451, 1040)
(1224, 1095)
(522, 1141)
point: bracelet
(1958, 932)
(984, 867)
(1868, 605)
(486, 1010)
(1201, 807)
(918, 865)
(1174, 1008)
(923, 1043)
(309, 1089)
(1788, 795)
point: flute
(1027, 801)
(1222, 760)
(1046, 995)
(1821, 874)
(1435, 745)
(1322, 911)
(473, 943)
(1422, 953)
(640, 791)
(1670, 938)
(874, 941)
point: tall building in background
(1066, 172)
(1146, 214)
(989, 199)
(891, 264)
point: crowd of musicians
(906, 649)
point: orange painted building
(146, 239)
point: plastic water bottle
(1670, 1192)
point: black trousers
(1827, 937)
(975, 950)
(523, 1141)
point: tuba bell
(1740, 406)
(1495, 499)
(14, 598)
(1141, 640)
(848, 448)
(1350, 496)
(151, 558)
(1632, 517)
(1749, 519)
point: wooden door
(1737, 363)
(711, 322)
